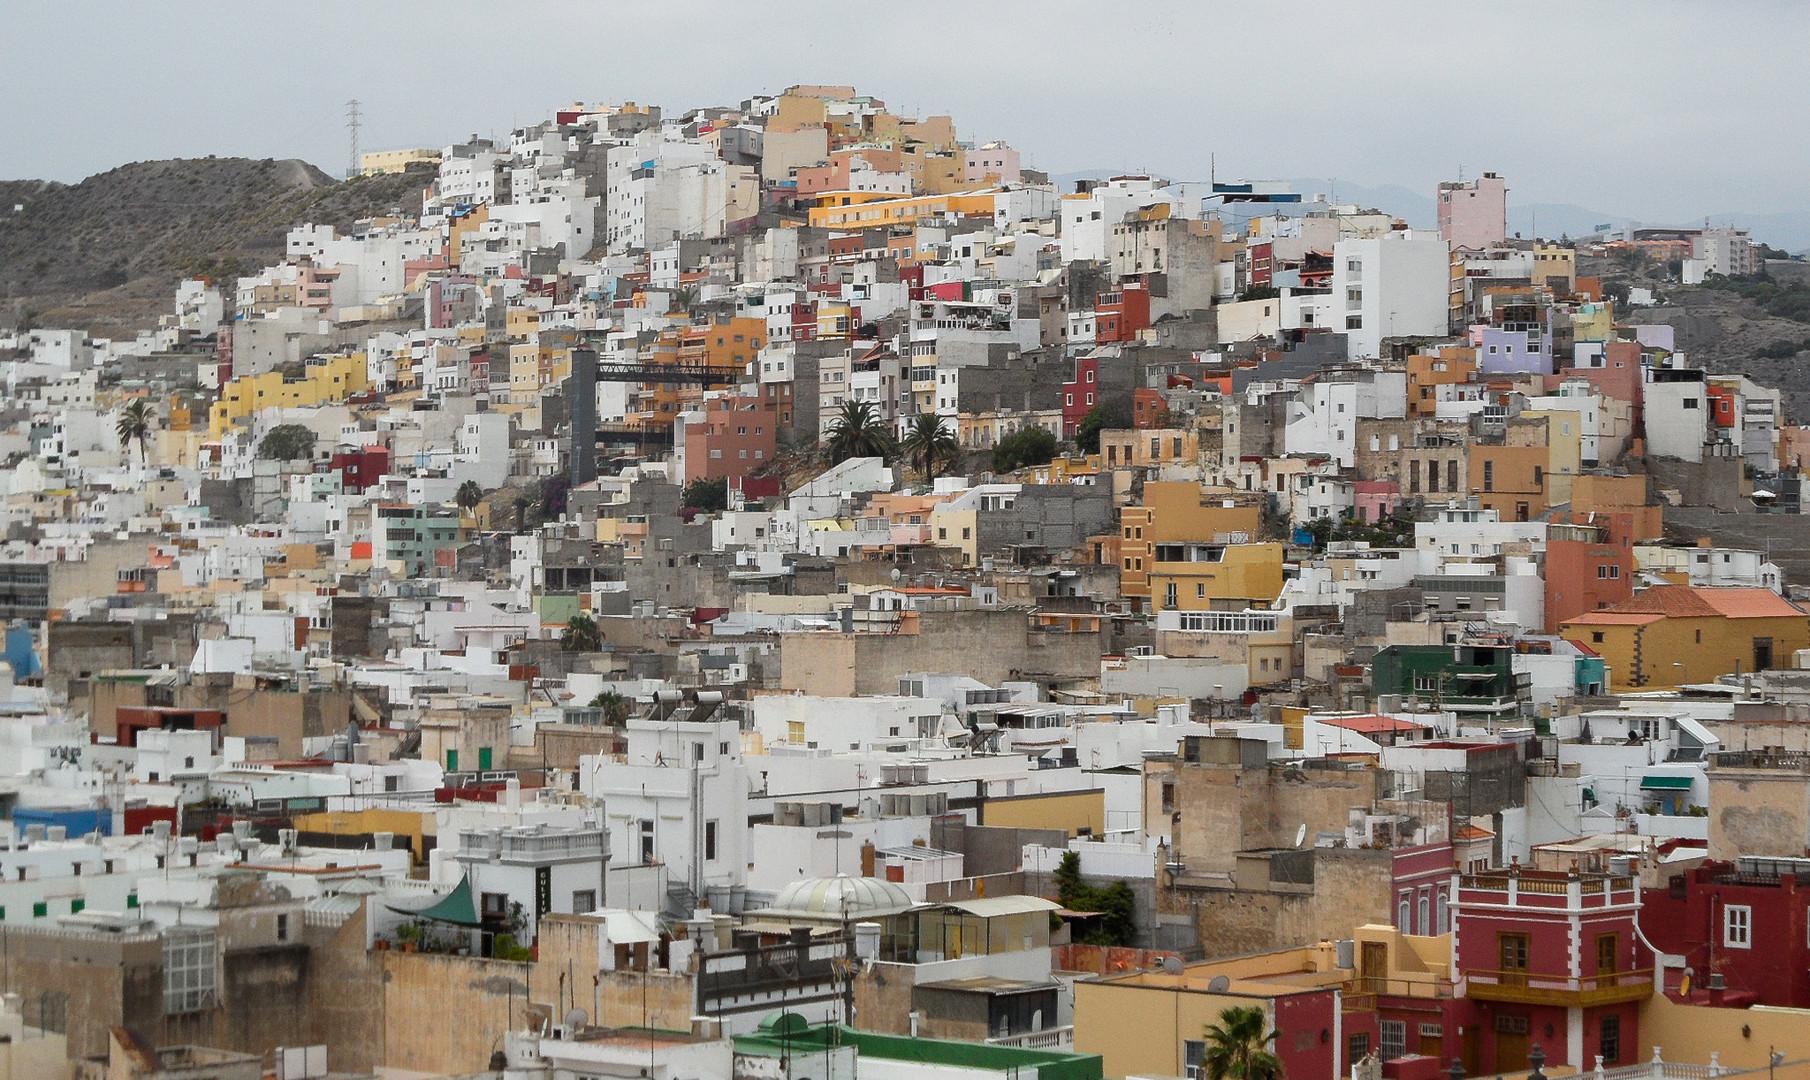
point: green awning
(1666, 783)
(455, 907)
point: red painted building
(1080, 394)
(1148, 409)
(1549, 958)
(1120, 315)
(804, 320)
(361, 468)
(1586, 570)
(1746, 922)
(1422, 879)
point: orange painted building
(1426, 373)
(1510, 480)
(737, 436)
(1587, 569)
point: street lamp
(1455, 1070)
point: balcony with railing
(1056, 1038)
(1523, 987)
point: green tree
(616, 708)
(287, 442)
(1023, 448)
(581, 635)
(1100, 418)
(710, 496)
(1116, 903)
(469, 496)
(930, 442)
(682, 301)
(134, 425)
(858, 432)
(1238, 1047)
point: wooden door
(1511, 1043)
(1375, 965)
(1511, 1052)
(1432, 1045)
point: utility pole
(353, 164)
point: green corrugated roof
(1666, 783)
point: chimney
(512, 794)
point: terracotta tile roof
(1689, 601)
(1749, 603)
(1472, 832)
(1616, 618)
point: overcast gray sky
(1654, 109)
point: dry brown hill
(105, 254)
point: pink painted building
(1373, 500)
(993, 163)
(1474, 215)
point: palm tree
(581, 635)
(469, 496)
(928, 442)
(1238, 1047)
(615, 707)
(858, 432)
(682, 300)
(135, 423)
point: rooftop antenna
(353, 163)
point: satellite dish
(1172, 965)
(1219, 985)
(575, 1019)
(1300, 834)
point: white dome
(843, 897)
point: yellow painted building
(521, 322)
(1180, 513)
(1077, 813)
(957, 529)
(1564, 452)
(1593, 322)
(878, 209)
(327, 379)
(1552, 261)
(1215, 577)
(1670, 635)
(1149, 447)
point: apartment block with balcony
(1552, 958)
